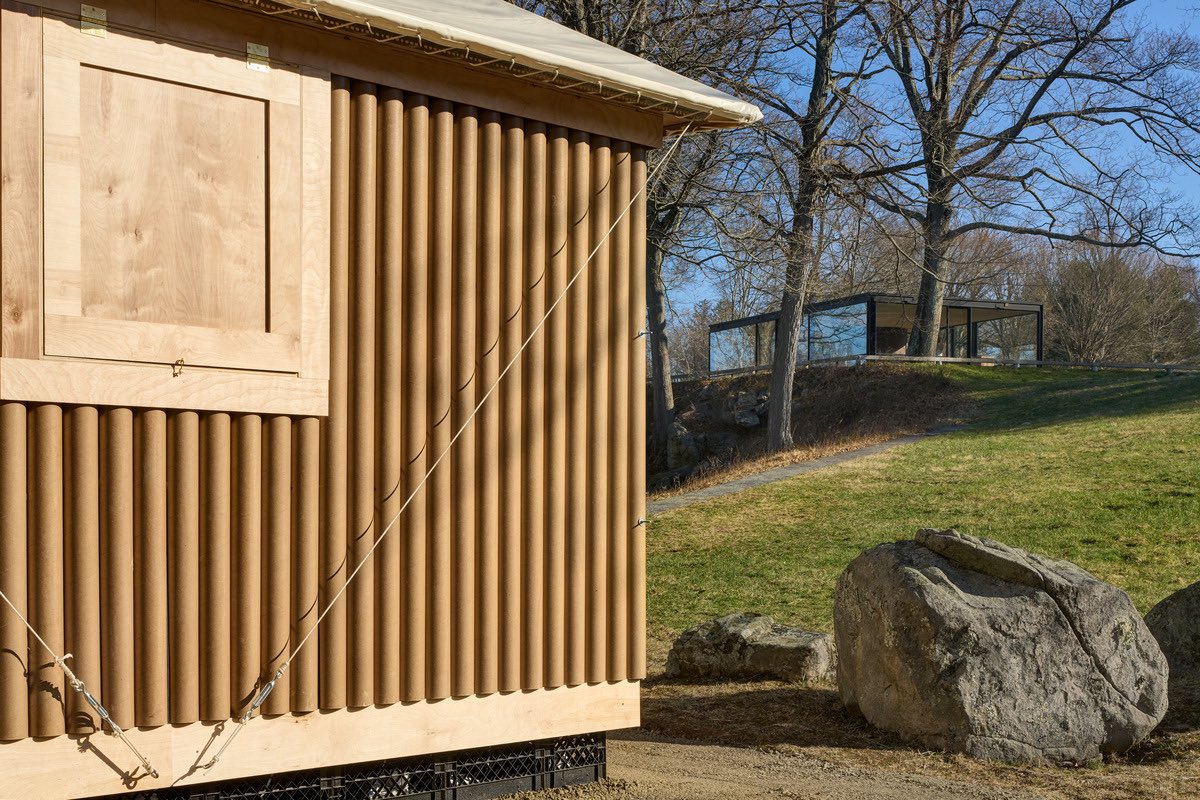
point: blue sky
(1168, 14)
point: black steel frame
(871, 301)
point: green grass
(1102, 469)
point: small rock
(741, 646)
(747, 419)
(745, 400)
(970, 646)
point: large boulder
(970, 646)
(1175, 623)
(740, 646)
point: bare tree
(718, 42)
(1032, 117)
(804, 95)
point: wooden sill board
(73, 766)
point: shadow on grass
(757, 715)
(1052, 397)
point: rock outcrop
(970, 646)
(740, 646)
(1175, 623)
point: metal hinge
(258, 57)
(93, 21)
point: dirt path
(645, 767)
(672, 502)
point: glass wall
(747, 347)
(1012, 338)
(838, 333)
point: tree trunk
(923, 340)
(787, 334)
(663, 399)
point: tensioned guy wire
(77, 685)
(269, 686)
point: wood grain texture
(21, 188)
(187, 219)
(155, 387)
(313, 741)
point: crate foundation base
(467, 775)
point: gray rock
(970, 646)
(1175, 623)
(747, 419)
(740, 646)
(745, 400)
(683, 448)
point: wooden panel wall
(179, 555)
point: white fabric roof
(500, 29)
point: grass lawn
(1102, 469)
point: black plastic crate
(468, 775)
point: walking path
(779, 474)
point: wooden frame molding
(164, 204)
(85, 766)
